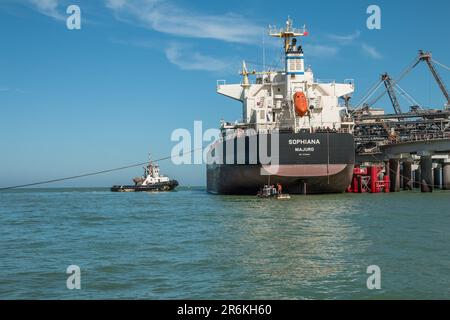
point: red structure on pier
(369, 179)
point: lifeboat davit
(301, 104)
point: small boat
(270, 192)
(283, 196)
(151, 181)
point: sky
(104, 96)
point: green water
(189, 244)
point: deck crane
(426, 56)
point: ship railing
(325, 80)
(419, 137)
(250, 81)
(221, 83)
(238, 130)
(347, 119)
(331, 130)
(350, 82)
(333, 81)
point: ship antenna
(264, 53)
(287, 33)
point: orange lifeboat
(300, 103)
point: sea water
(189, 244)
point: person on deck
(279, 188)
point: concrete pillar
(446, 176)
(417, 178)
(401, 177)
(407, 172)
(426, 173)
(394, 174)
(437, 177)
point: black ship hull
(162, 186)
(307, 163)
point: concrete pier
(407, 175)
(394, 175)
(401, 176)
(437, 177)
(417, 178)
(426, 173)
(446, 176)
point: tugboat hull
(162, 186)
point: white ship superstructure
(152, 175)
(269, 103)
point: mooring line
(92, 173)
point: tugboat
(150, 181)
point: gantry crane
(390, 90)
(426, 56)
(392, 85)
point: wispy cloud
(140, 43)
(168, 18)
(48, 8)
(11, 90)
(371, 51)
(345, 39)
(115, 4)
(320, 51)
(186, 59)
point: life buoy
(300, 104)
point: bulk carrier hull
(307, 163)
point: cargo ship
(295, 131)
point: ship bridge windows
(294, 64)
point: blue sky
(75, 101)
